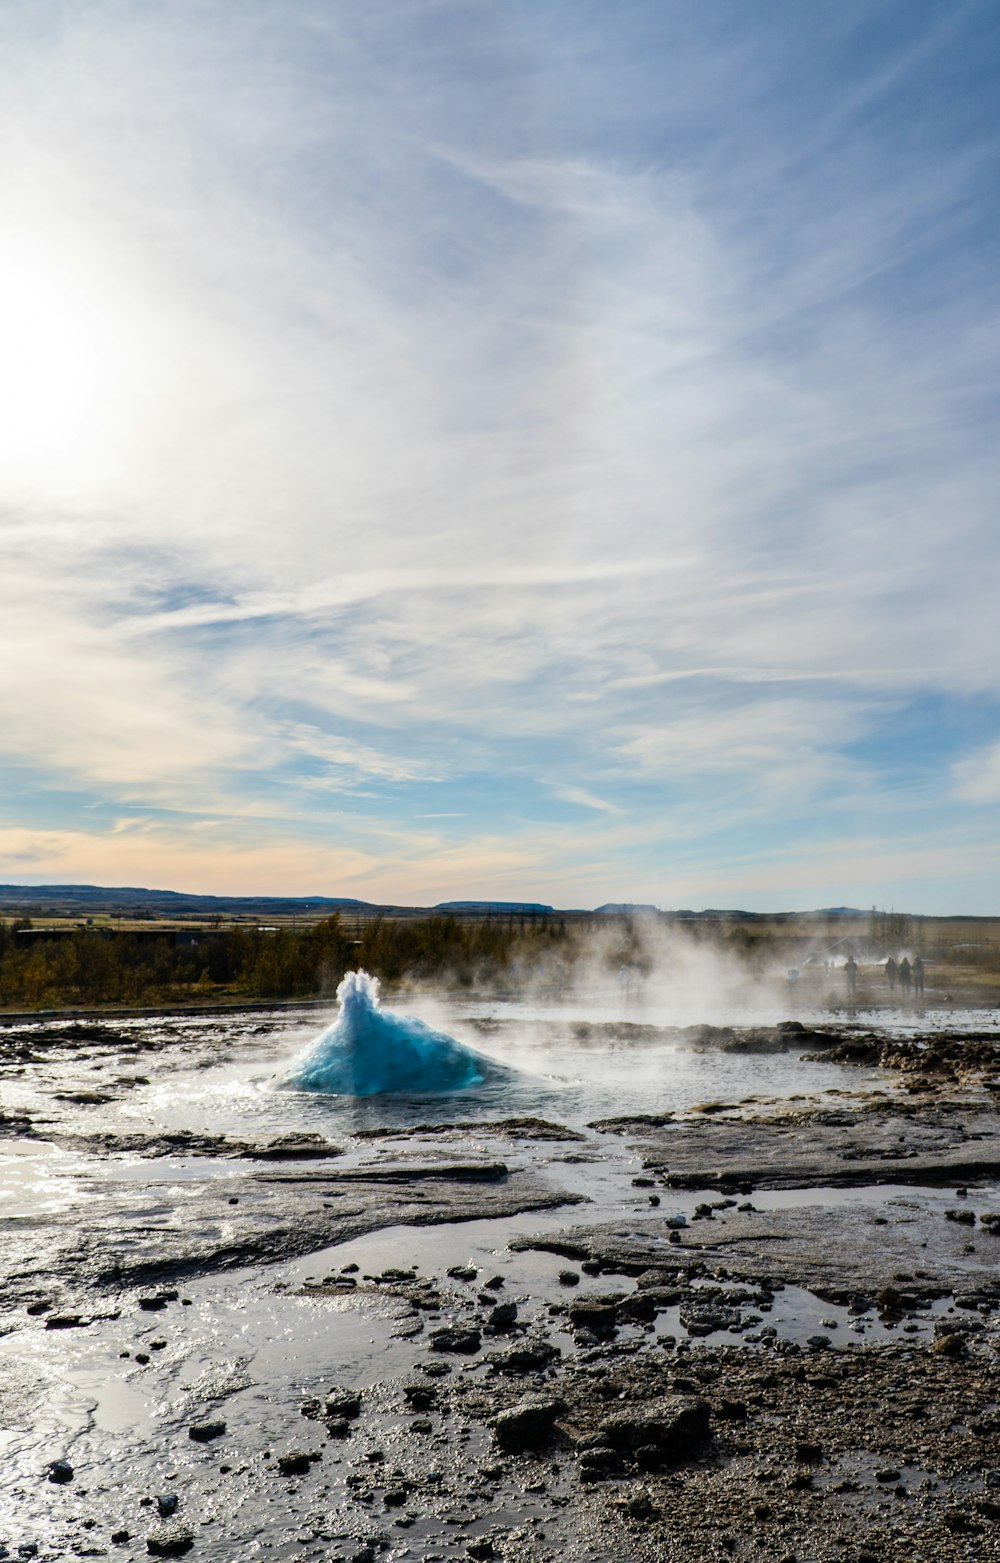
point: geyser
(369, 1051)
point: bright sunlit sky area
(502, 450)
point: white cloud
(977, 777)
(586, 800)
(426, 452)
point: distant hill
(132, 900)
(137, 901)
(735, 914)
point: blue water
(370, 1051)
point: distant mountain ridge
(121, 898)
(137, 900)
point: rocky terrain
(760, 1329)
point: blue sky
(513, 450)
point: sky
(502, 450)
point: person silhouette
(891, 973)
(851, 973)
(905, 975)
(918, 975)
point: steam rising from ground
(642, 969)
(653, 971)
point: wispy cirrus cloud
(496, 426)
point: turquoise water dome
(369, 1051)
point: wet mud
(762, 1329)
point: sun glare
(61, 361)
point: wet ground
(686, 1291)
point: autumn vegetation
(99, 966)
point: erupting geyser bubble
(369, 1051)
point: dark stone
(296, 1462)
(599, 1463)
(960, 1523)
(202, 1432)
(642, 1306)
(708, 1320)
(60, 1471)
(293, 1147)
(640, 1506)
(167, 1504)
(170, 1543)
(675, 1428)
(66, 1321)
(531, 1356)
(422, 1397)
(590, 1314)
(528, 1425)
(463, 1272)
(465, 1342)
(502, 1317)
(568, 1278)
(343, 1403)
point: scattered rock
(465, 1342)
(501, 1318)
(528, 1425)
(674, 1430)
(343, 1403)
(170, 1543)
(293, 1147)
(422, 1397)
(297, 1461)
(530, 1356)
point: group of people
(910, 976)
